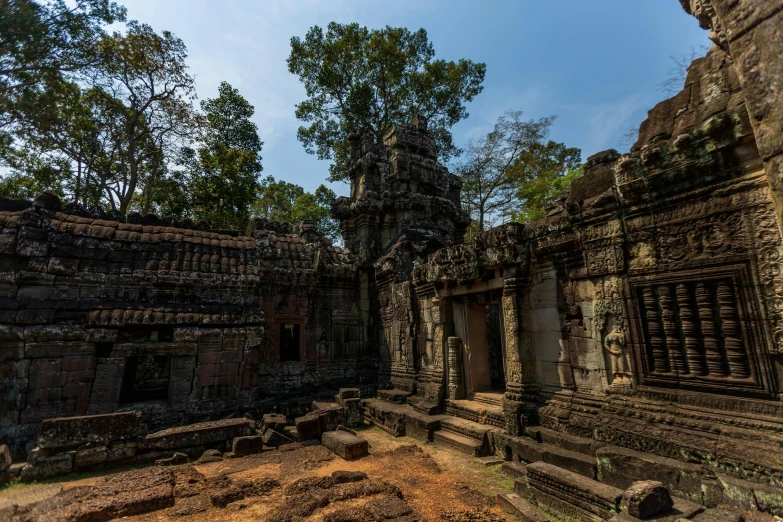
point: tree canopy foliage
(357, 78)
(509, 173)
(287, 202)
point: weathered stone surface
(249, 445)
(273, 421)
(5, 458)
(646, 498)
(276, 439)
(198, 434)
(69, 432)
(210, 455)
(308, 427)
(345, 445)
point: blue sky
(595, 64)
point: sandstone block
(646, 498)
(198, 434)
(274, 421)
(248, 445)
(345, 445)
(5, 458)
(308, 427)
(275, 439)
(91, 456)
(210, 455)
(93, 429)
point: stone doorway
(480, 326)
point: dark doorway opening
(497, 375)
(146, 378)
(289, 342)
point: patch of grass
(15, 485)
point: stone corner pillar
(456, 386)
(520, 402)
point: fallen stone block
(91, 456)
(5, 458)
(308, 427)
(349, 393)
(520, 507)
(275, 439)
(175, 460)
(121, 451)
(345, 445)
(71, 432)
(621, 467)
(273, 421)
(47, 467)
(248, 445)
(199, 434)
(210, 455)
(646, 498)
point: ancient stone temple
(634, 333)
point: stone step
(461, 443)
(566, 494)
(568, 442)
(396, 396)
(528, 450)
(520, 508)
(489, 398)
(466, 428)
(475, 411)
(513, 469)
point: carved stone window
(693, 329)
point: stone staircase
(463, 435)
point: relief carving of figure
(614, 343)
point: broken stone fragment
(5, 458)
(275, 439)
(210, 455)
(646, 498)
(308, 427)
(273, 421)
(248, 445)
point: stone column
(520, 399)
(442, 329)
(456, 387)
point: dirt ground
(437, 484)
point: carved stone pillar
(520, 399)
(709, 331)
(673, 343)
(739, 367)
(660, 362)
(442, 328)
(456, 387)
(696, 363)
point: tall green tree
(489, 181)
(43, 45)
(357, 78)
(225, 168)
(542, 172)
(146, 74)
(507, 174)
(289, 203)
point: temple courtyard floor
(402, 479)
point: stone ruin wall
(671, 252)
(99, 316)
